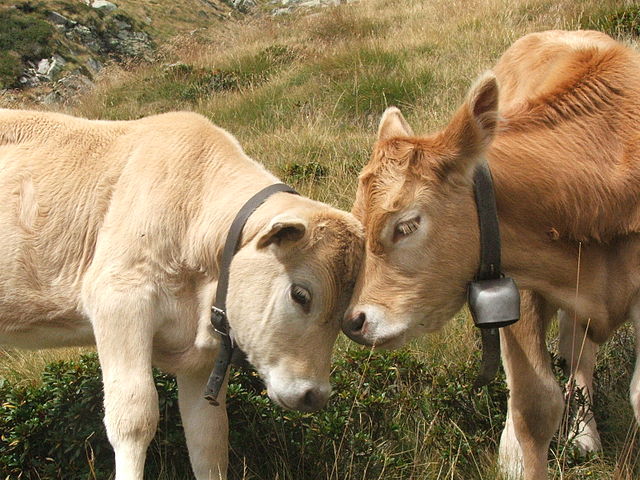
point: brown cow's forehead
(384, 187)
(399, 172)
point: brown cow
(563, 145)
(112, 234)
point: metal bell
(494, 303)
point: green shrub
(379, 402)
(56, 431)
(26, 35)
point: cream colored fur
(563, 143)
(112, 233)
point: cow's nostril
(357, 322)
(313, 400)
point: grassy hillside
(303, 93)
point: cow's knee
(131, 419)
(123, 324)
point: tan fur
(112, 233)
(562, 142)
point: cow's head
(288, 290)
(415, 200)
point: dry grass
(25, 367)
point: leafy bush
(26, 35)
(379, 403)
(56, 430)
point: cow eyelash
(406, 228)
(301, 296)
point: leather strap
(219, 318)
(489, 266)
(488, 222)
(490, 357)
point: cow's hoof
(587, 440)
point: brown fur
(562, 141)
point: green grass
(303, 94)
(618, 21)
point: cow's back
(569, 133)
(539, 64)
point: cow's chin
(305, 395)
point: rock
(67, 88)
(281, 11)
(85, 36)
(58, 19)
(43, 66)
(94, 65)
(47, 68)
(29, 78)
(104, 5)
(131, 44)
(243, 5)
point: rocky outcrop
(81, 39)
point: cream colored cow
(558, 122)
(111, 233)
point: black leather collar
(219, 318)
(493, 299)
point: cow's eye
(301, 296)
(405, 228)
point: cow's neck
(226, 190)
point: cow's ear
(282, 228)
(473, 127)
(393, 124)
(482, 102)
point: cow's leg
(535, 403)
(510, 453)
(205, 427)
(123, 323)
(634, 391)
(580, 355)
